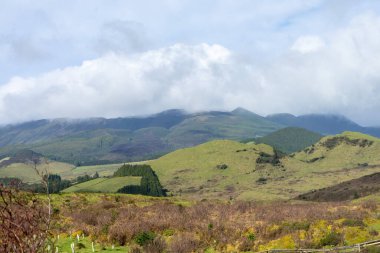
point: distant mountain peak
(174, 112)
(241, 111)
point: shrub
(144, 238)
(261, 180)
(24, 221)
(222, 166)
(251, 236)
(353, 223)
(295, 226)
(331, 239)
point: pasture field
(107, 185)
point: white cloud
(308, 44)
(341, 77)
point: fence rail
(346, 249)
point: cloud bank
(336, 72)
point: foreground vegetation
(172, 225)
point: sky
(116, 58)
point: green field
(106, 185)
(27, 173)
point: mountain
(290, 139)
(321, 123)
(228, 169)
(100, 140)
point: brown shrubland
(206, 223)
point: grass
(192, 171)
(26, 171)
(104, 184)
(64, 246)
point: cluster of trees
(54, 183)
(85, 178)
(150, 185)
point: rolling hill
(290, 139)
(228, 169)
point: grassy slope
(65, 170)
(290, 139)
(104, 184)
(26, 171)
(339, 164)
(192, 171)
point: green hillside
(220, 168)
(27, 174)
(107, 185)
(290, 139)
(346, 150)
(251, 173)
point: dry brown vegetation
(24, 222)
(201, 225)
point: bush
(353, 223)
(331, 239)
(261, 180)
(144, 238)
(222, 166)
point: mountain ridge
(101, 140)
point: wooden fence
(346, 249)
